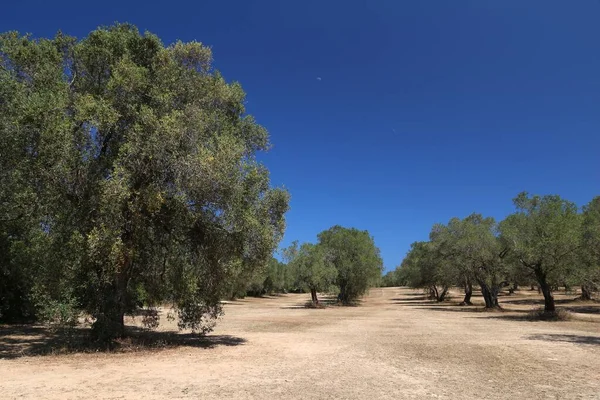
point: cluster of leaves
(127, 177)
(546, 241)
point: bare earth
(395, 345)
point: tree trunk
(586, 292)
(468, 293)
(343, 296)
(433, 292)
(546, 289)
(109, 324)
(110, 321)
(490, 295)
(442, 295)
(313, 295)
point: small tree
(544, 236)
(423, 267)
(275, 279)
(390, 279)
(355, 258)
(310, 268)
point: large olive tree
(131, 166)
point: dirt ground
(395, 345)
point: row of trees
(547, 242)
(127, 177)
(344, 261)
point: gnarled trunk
(110, 323)
(343, 296)
(110, 319)
(546, 289)
(468, 293)
(490, 295)
(313, 295)
(442, 294)
(433, 292)
(586, 292)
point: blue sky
(424, 110)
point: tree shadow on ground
(27, 340)
(409, 297)
(583, 309)
(425, 302)
(534, 302)
(578, 339)
(533, 315)
(471, 309)
(324, 302)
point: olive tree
(310, 269)
(423, 267)
(355, 257)
(473, 243)
(544, 236)
(135, 161)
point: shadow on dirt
(412, 303)
(534, 302)
(411, 297)
(27, 340)
(324, 302)
(492, 313)
(578, 339)
(583, 309)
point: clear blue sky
(424, 109)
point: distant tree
(128, 176)
(544, 235)
(355, 257)
(310, 268)
(423, 267)
(391, 279)
(276, 276)
(589, 272)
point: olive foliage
(546, 241)
(128, 177)
(356, 259)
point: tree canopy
(544, 235)
(546, 240)
(355, 257)
(310, 268)
(127, 176)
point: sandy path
(395, 345)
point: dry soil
(395, 345)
